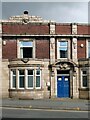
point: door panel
(63, 86)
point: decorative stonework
(52, 29)
(63, 66)
(74, 29)
(25, 18)
(74, 50)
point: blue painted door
(63, 86)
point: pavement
(55, 104)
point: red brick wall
(9, 51)
(82, 29)
(42, 49)
(63, 29)
(81, 52)
(25, 29)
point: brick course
(63, 29)
(83, 29)
(25, 29)
(9, 51)
(81, 51)
(42, 49)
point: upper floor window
(88, 49)
(26, 49)
(62, 49)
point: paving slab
(62, 104)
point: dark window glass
(30, 72)
(27, 52)
(14, 79)
(21, 78)
(37, 81)
(63, 49)
(84, 81)
(30, 81)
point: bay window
(26, 79)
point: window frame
(25, 75)
(11, 76)
(68, 46)
(19, 48)
(22, 48)
(19, 79)
(87, 48)
(35, 78)
(27, 79)
(82, 75)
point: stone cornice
(47, 35)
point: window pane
(37, 81)
(38, 72)
(21, 81)
(14, 72)
(63, 54)
(30, 81)
(27, 52)
(30, 72)
(89, 52)
(21, 72)
(14, 81)
(26, 43)
(84, 72)
(63, 43)
(14, 78)
(84, 81)
(63, 48)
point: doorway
(63, 84)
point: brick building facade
(44, 59)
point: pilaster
(52, 50)
(74, 49)
(74, 42)
(0, 59)
(89, 80)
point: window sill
(83, 89)
(11, 90)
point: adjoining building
(44, 59)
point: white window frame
(24, 79)
(82, 79)
(68, 48)
(87, 45)
(19, 47)
(27, 79)
(11, 77)
(35, 79)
